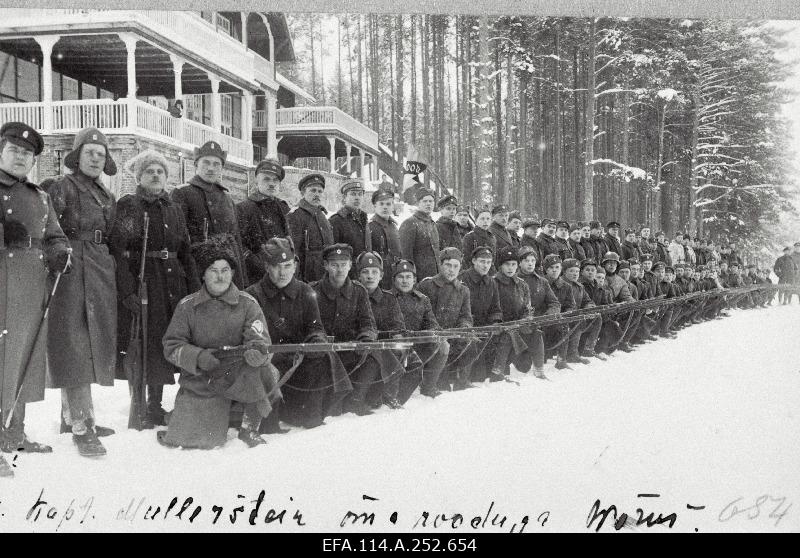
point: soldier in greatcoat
(596, 241)
(169, 272)
(449, 230)
(450, 300)
(546, 242)
(427, 360)
(479, 236)
(463, 220)
(502, 236)
(82, 340)
(31, 242)
(349, 224)
(292, 314)
(384, 233)
(419, 237)
(219, 340)
(346, 315)
(612, 239)
(263, 215)
(208, 209)
(311, 231)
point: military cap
(338, 251)
(680, 265)
(500, 208)
(89, 135)
(624, 264)
(548, 221)
(449, 199)
(595, 225)
(786, 249)
(507, 254)
(450, 253)
(582, 224)
(748, 266)
(550, 260)
(569, 263)
(575, 227)
(462, 209)
(514, 215)
(482, 209)
(613, 225)
(218, 247)
(610, 257)
(634, 261)
(562, 225)
(22, 135)
(482, 252)
(660, 233)
(273, 166)
(277, 250)
(647, 258)
(669, 269)
(210, 149)
(656, 265)
(311, 180)
(525, 251)
(423, 192)
(402, 266)
(701, 268)
(732, 264)
(530, 223)
(588, 261)
(351, 185)
(630, 231)
(381, 194)
(369, 259)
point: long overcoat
(170, 273)
(349, 226)
(419, 242)
(385, 239)
(260, 218)
(23, 287)
(82, 341)
(311, 233)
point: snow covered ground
(710, 419)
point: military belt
(30, 244)
(96, 236)
(162, 254)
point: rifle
(326, 347)
(137, 366)
(205, 230)
(27, 360)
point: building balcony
(300, 121)
(184, 33)
(125, 116)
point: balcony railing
(321, 118)
(185, 29)
(126, 117)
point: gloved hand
(259, 345)
(132, 303)
(254, 358)
(206, 360)
(60, 262)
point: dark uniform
(385, 239)
(583, 341)
(629, 250)
(31, 241)
(388, 317)
(260, 218)
(346, 315)
(613, 243)
(477, 237)
(419, 242)
(558, 334)
(599, 246)
(170, 274)
(577, 250)
(311, 234)
(209, 206)
(504, 240)
(449, 233)
(485, 306)
(349, 226)
(293, 316)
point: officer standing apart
(31, 242)
(262, 215)
(207, 207)
(82, 341)
(419, 237)
(311, 231)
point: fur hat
(89, 135)
(217, 247)
(144, 160)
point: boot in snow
(88, 444)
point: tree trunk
(507, 173)
(695, 220)
(625, 207)
(321, 65)
(400, 81)
(560, 195)
(426, 83)
(587, 210)
(523, 185)
(312, 32)
(363, 116)
(578, 153)
(666, 198)
(413, 79)
(484, 165)
(339, 87)
(498, 178)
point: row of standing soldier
(94, 246)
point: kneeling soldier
(515, 302)
(292, 314)
(426, 361)
(210, 331)
(345, 311)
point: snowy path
(705, 419)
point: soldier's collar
(413, 292)
(502, 278)
(7, 179)
(383, 221)
(231, 296)
(332, 292)
(310, 208)
(377, 294)
(422, 215)
(257, 196)
(476, 277)
(207, 186)
(346, 211)
(270, 290)
(83, 182)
